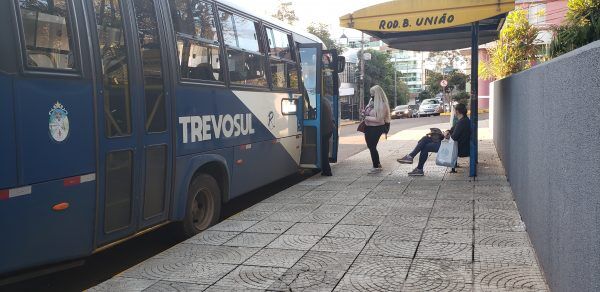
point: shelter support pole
(474, 97)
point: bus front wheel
(203, 205)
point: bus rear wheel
(203, 205)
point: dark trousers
(372, 135)
(425, 146)
(325, 167)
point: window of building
(245, 55)
(48, 35)
(197, 40)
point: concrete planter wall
(546, 127)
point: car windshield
(400, 107)
(431, 101)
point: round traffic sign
(444, 83)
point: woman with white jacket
(377, 114)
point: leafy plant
(514, 51)
(321, 30)
(380, 71)
(582, 27)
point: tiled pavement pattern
(360, 232)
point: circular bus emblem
(58, 123)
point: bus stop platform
(361, 232)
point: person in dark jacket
(461, 133)
(327, 128)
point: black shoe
(416, 172)
(326, 174)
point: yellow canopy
(419, 15)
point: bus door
(331, 93)
(310, 60)
(134, 147)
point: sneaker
(326, 174)
(406, 159)
(375, 170)
(416, 172)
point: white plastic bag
(447, 154)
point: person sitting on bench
(461, 133)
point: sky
(325, 11)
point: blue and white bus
(119, 116)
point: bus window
(145, 14)
(245, 56)
(111, 39)
(284, 72)
(47, 32)
(308, 58)
(197, 40)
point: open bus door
(310, 105)
(332, 65)
(320, 78)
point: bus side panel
(35, 234)
(8, 147)
(42, 157)
(259, 164)
(185, 168)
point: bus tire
(203, 206)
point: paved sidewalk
(360, 232)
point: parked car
(430, 107)
(402, 111)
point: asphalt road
(104, 265)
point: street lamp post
(362, 72)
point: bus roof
(271, 20)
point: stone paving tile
(502, 277)
(210, 237)
(303, 280)
(502, 239)
(495, 205)
(391, 248)
(506, 225)
(248, 215)
(123, 284)
(318, 229)
(270, 227)
(340, 244)
(299, 208)
(233, 225)
(330, 208)
(452, 212)
(353, 282)
(286, 216)
(252, 277)
(209, 253)
(445, 250)
(389, 233)
(505, 255)
(451, 223)
(354, 218)
(404, 221)
(439, 275)
(441, 203)
(353, 231)
(269, 257)
(216, 288)
(166, 286)
(156, 268)
(496, 214)
(297, 242)
(444, 195)
(448, 235)
(327, 261)
(200, 273)
(248, 239)
(323, 217)
(268, 207)
(380, 266)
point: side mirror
(341, 64)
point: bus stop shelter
(437, 25)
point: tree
(446, 59)
(423, 95)
(515, 50)
(380, 71)
(321, 30)
(582, 27)
(285, 12)
(462, 97)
